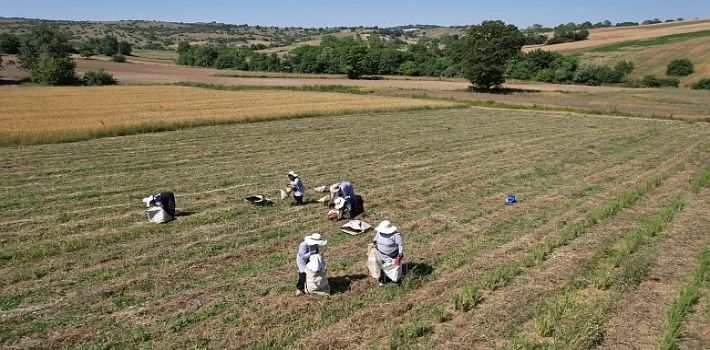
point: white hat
(339, 203)
(315, 239)
(386, 227)
(334, 188)
(291, 173)
(148, 200)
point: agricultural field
(79, 113)
(681, 104)
(607, 36)
(607, 246)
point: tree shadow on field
(417, 270)
(8, 82)
(341, 284)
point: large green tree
(44, 53)
(488, 47)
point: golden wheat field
(32, 115)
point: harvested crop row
(201, 276)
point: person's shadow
(341, 284)
(417, 270)
(183, 213)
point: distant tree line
(109, 46)
(552, 67)
(486, 56)
(353, 56)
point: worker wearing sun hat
(390, 246)
(345, 190)
(308, 247)
(297, 187)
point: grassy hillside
(164, 35)
(649, 47)
(653, 55)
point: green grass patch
(701, 181)
(403, 337)
(683, 304)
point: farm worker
(390, 246)
(297, 187)
(161, 207)
(337, 212)
(308, 247)
(342, 189)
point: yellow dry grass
(46, 110)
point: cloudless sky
(354, 13)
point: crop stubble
(422, 169)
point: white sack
(158, 215)
(374, 263)
(394, 272)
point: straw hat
(386, 227)
(315, 239)
(334, 188)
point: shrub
(670, 81)
(545, 76)
(650, 81)
(625, 67)
(653, 81)
(98, 77)
(607, 75)
(633, 83)
(587, 74)
(680, 67)
(118, 58)
(451, 72)
(54, 71)
(702, 84)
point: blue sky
(382, 13)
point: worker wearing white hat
(390, 246)
(297, 187)
(308, 247)
(344, 190)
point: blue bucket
(510, 199)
